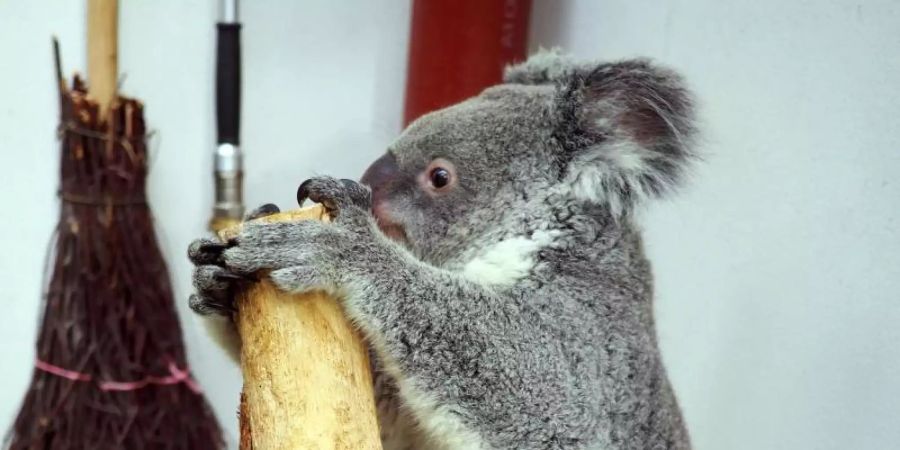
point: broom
(110, 369)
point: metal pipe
(228, 160)
(229, 11)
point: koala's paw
(265, 210)
(213, 281)
(300, 256)
(215, 295)
(341, 198)
(303, 278)
(214, 284)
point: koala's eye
(440, 177)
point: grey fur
(559, 353)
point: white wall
(323, 94)
(778, 268)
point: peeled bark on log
(307, 377)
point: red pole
(459, 47)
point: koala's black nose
(381, 172)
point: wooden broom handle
(103, 59)
(307, 378)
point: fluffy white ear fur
(618, 174)
(628, 126)
(545, 66)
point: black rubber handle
(228, 83)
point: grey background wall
(778, 268)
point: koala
(492, 261)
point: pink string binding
(175, 376)
(60, 372)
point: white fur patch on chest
(509, 260)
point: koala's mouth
(391, 228)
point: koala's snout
(380, 176)
(380, 173)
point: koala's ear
(543, 67)
(626, 131)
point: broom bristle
(111, 371)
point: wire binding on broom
(102, 201)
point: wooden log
(307, 377)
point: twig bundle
(111, 371)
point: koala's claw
(334, 194)
(215, 287)
(265, 210)
(206, 306)
(231, 276)
(215, 293)
(207, 251)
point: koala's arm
(461, 353)
(473, 364)
(477, 366)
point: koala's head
(554, 135)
